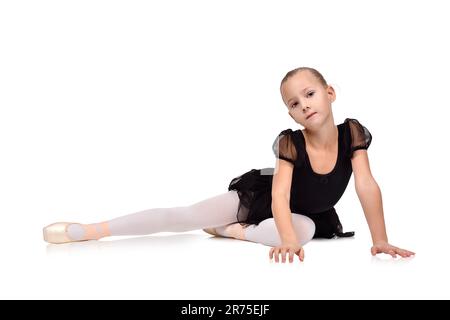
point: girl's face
(308, 102)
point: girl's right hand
(285, 248)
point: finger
(392, 253)
(403, 253)
(277, 252)
(374, 251)
(301, 256)
(271, 254)
(409, 253)
(283, 255)
(291, 255)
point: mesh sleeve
(284, 147)
(360, 137)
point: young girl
(282, 207)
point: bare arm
(369, 195)
(281, 192)
(282, 216)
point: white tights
(216, 211)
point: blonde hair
(314, 72)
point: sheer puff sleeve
(285, 147)
(359, 136)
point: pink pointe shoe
(212, 231)
(57, 232)
(233, 230)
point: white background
(112, 107)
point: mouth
(311, 115)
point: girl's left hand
(384, 247)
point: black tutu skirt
(255, 193)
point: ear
(331, 93)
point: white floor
(195, 265)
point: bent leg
(266, 231)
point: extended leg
(212, 212)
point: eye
(310, 94)
(294, 104)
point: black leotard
(312, 194)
